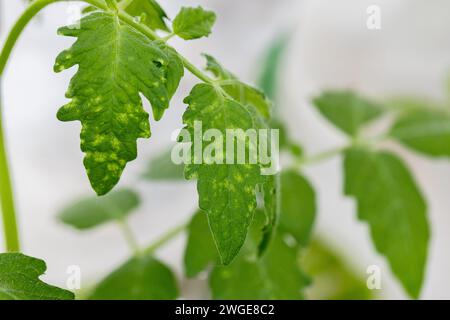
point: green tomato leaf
(213, 66)
(296, 221)
(248, 95)
(94, 211)
(298, 206)
(19, 280)
(241, 92)
(425, 131)
(193, 23)
(227, 192)
(346, 110)
(392, 205)
(140, 278)
(200, 248)
(105, 91)
(162, 168)
(149, 12)
(276, 275)
(269, 79)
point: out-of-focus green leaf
(200, 249)
(268, 83)
(390, 202)
(332, 279)
(19, 280)
(94, 211)
(298, 206)
(149, 10)
(193, 23)
(141, 278)
(425, 131)
(162, 168)
(346, 110)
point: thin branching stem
(129, 236)
(168, 236)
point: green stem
(11, 232)
(168, 236)
(195, 71)
(325, 155)
(129, 236)
(317, 158)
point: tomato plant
(250, 227)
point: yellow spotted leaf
(227, 189)
(116, 64)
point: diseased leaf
(425, 131)
(276, 275)
(19, 280)
(141, 278)
(270, 73)
(227, 192)
(200, 248)
(162, 168)
(298, 206)
(116, 64)
(193, 23)
(94, 211)
(391, 203)
(346, 110)
(239, 91)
